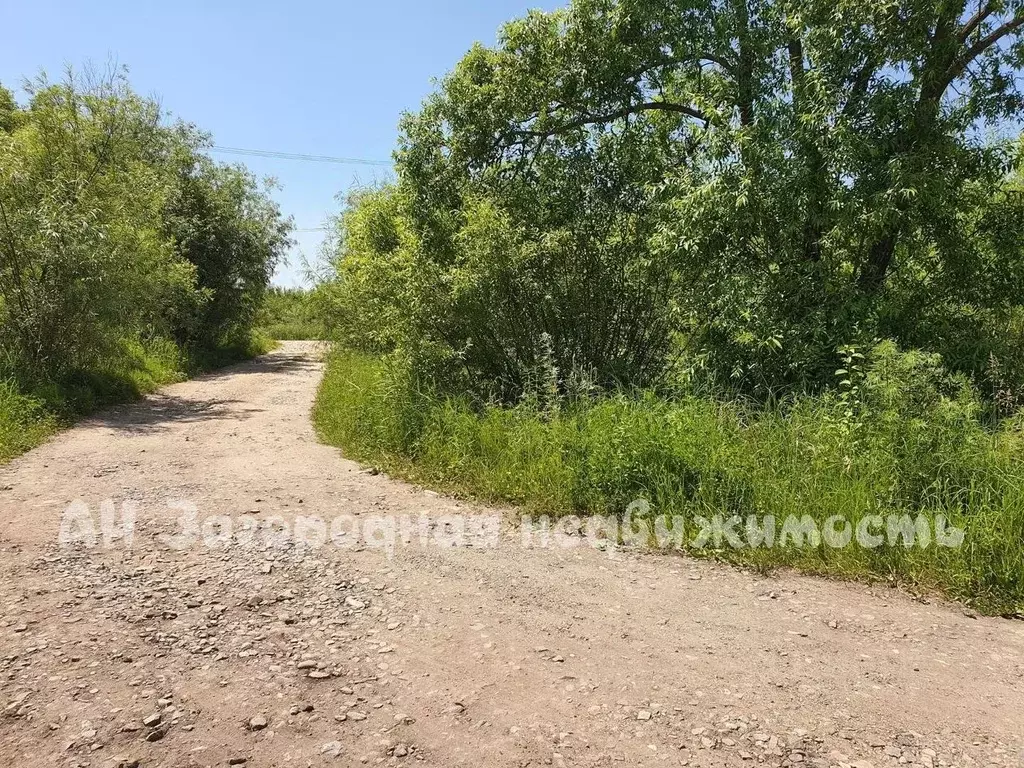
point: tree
(8, 110)
(771, 179)
(115, 230)
(83, 261)
(233, 235)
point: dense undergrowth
(761, 259)
(288, 314)
(697, 457)
(24, 422)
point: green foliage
(82, 257)
(289, 313)
(917, 449)
(128, 258)
(795, 226)
(227, 229)
(744, 185)
(24, 421)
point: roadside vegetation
(128, 258)
(734, 258)
(289, 314)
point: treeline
(290, 313)
(127, 256)
(630, 190)
(793, 228)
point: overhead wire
(300, 156)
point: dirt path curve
(440, 656)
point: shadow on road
(159, 411)
(278, 362)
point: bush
(289, 314)
(130, 258)
(500, 303)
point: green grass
(288, 315)
(24, 422)
(694, 457)
(27, 419)
(292, 331)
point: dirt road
(183, 651)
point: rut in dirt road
(189, 652)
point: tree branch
(987, 42)
(633, 109)
(968, 29)
(859, 85)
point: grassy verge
(28, 418)
(24, 422)
(696, 458)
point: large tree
(752, 182)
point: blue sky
(305, 76)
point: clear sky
(303, 76)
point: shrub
(130, 259)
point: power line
(298, 156)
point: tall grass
(288, 314)
(24, 421)
(697, 457)
(292, 331)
